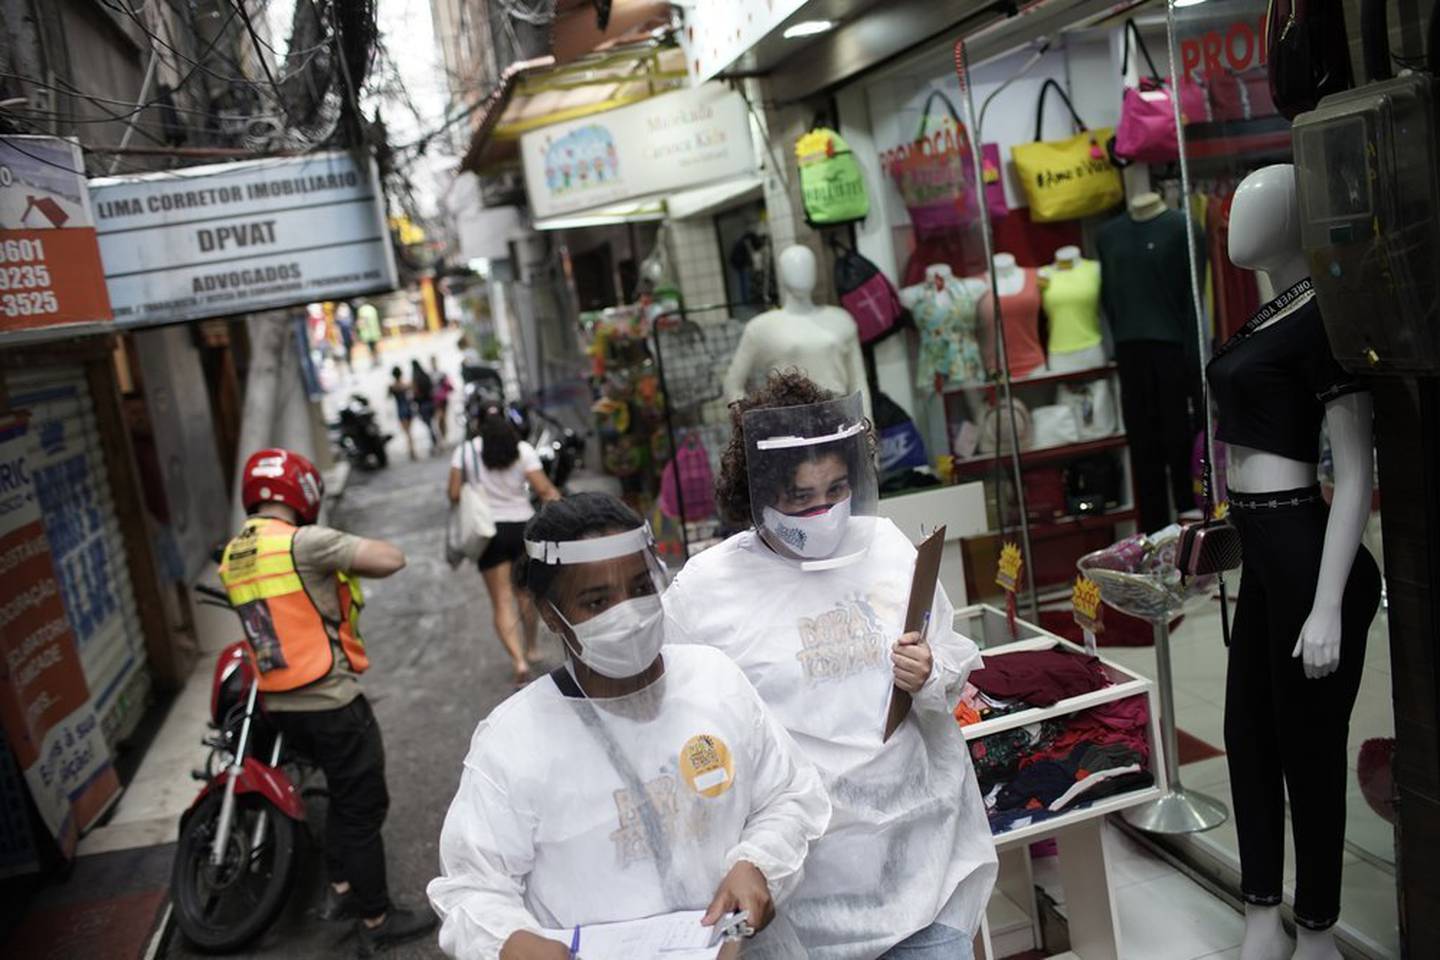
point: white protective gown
(909, 843)
(544, 830)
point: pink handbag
(935, 173)
(688, 482)
(1146, 132)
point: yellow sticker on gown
(706, 765)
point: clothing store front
(1038, 165)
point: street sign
(51, 281)
(241, 237)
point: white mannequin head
(796, 269)
(1265, 226)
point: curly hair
(783, 388)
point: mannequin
(943, 306)
(1145, 292)
(821, 341)
(1020, 308)
(1310, 589)
(1070, 294)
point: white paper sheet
(673, 936)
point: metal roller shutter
(72, 482)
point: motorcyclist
(293, 584)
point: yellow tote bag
(1071, 178)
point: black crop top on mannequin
(1271, 387)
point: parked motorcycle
(358, 435)
(239, 847)
(561, 449)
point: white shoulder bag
(471, 524)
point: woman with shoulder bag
(504, 468)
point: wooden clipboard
(922, 597)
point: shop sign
(50, 274)
(1222, 49)
(241, 237)
(662, 145)
(45, 704)
(717, 34)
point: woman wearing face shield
(627, 784)
(810, 602)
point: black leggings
(1282, 730)
(1155, 392)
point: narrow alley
(436, 669)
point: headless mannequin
(1009, 278)
(1023, 350)
(1265, 236)
(1069, 361)
(943, 306)
(820, 341)
(1146, 206)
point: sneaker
(337, 906)
(399, 926)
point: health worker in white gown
(810, 602)
(628, 784)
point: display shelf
(1125, 683)
(1040, 456)
(1090, 373)
(1046, 529)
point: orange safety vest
(287, 633)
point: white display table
(1084, 869)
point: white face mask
(812, 537)
(623, 640)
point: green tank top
(1072, 304)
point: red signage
(1236, 46)
(50, 270)
(44, 700)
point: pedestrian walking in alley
(444, 387)
(422, 388)
(293, 584)
(506, 469)
(345, 324)
(404, 406)
(367, 325)
(528, 843)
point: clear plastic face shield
(604, 599)
(813, 486)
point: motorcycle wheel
(222, 908)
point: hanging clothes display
(1072, 305)
(949, 352)
(1021, 313)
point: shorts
(507, 546)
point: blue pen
(925, 626)
(575, 943)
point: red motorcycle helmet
(282, 476)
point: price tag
(1007, 575)
(1085, 598)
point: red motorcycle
(238, 852)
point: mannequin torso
(1070, 294)
(820, 340)
(1020, 309)
(943, 306)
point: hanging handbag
(1146, 132)
(935, 173)
(687, 482)
(866, 294)
(992, 175)
(1071, 178)
(832, 185)
(471, 525)
(1307, 54)
(1094, 405)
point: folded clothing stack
(1040, 678)
(1033, 772)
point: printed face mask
(812, 536)
(622, 641)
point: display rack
(1079, 833)
(1069, 537)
